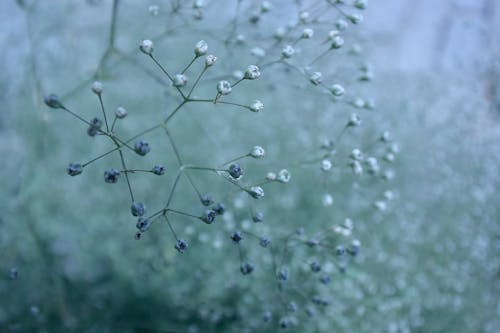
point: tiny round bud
(240, 39)
(357, 168)
(94, 127)
(236, 236)
(264, 242)
(111, 176)
(97, 87)
(181, 245)
(358, 103)
(74, 169)
(158, 170)
(265, 6)
(121, 112)
(355, 18)
(252, 72)
(257, 152)
(341, 24)
(258, 52)
(288, 51)
(200, 48)
(332, 34)
(219, 208)
(373, 166)
(389, 195)
(315, 267)
(258, 217)
(316, 78)
(154, 10)
(246, 268)
(146, 46)
(354, 120)
(337, 42)
(206, 200)
(304, 16)
(337, 90)
(280, 33)
(141, 147)
(307, 33)
(356, 155)
(208, 216)
(271, 176)
(180, 80)
(53, 101)
(284, 176)
(380, 205)
(143, 224)
(198, 4)
(224, 87)
(256, 106)
(210, 60)
(327, 200)
(386, 136)
(256, 192)
(326, 165)
(360, 4)
(389, 157)
(235, 171)
(283, 274)
(137, 208)
(340, 250)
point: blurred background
(428, 262)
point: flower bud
(224, 87)
(284, 176)
(315, 78)
(146, 47)
(180, 80)
(288, 51)
(337, 42)
(256, 192)
(354, 120)
(53, 101)
(307, 33)
(256, 106)
(200, 48)
(97, 87)
(252, 72)
(121, 112)
(257, 152)
(210, 60)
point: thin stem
(112, 29)
(103, 112)
(181, 213)
(114, 122)
(170, 226)
(167, 74)
(174, 112)
(77, 116)
(189, 65)
(196, 82)
(320, 56)
(99, 157)
(126, 176)
(144, 132)
(235, 159)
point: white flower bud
(200, 48)
(356, 155)
(357, 168)
(373, 166)
(389, 195)
(337, 42)
(388, 174)
(326, 165)
(146, 46)
(316, 78)
(284, 176)
(327, 200)
(180, 80)
(358, 103)
(332, 34)
(252, 72)
(265, 6)
(280, 33)
(337, 90)
(271, 176)
(198, 4)
(288, 51)
(256, 192)
(303, 17)
(394, 148)
(97, 87)
(354, 120)
(121, 112)
(257, 152)
(224, 87)
(380, 205)
(210, 60)
(348, 223)
(389, 157)
(256, 106)
(341, 24)
(360, 4)
(154, 10)
(240, 39)
(307, 33)
(258, 52)
(386, 136)
(355, 18)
